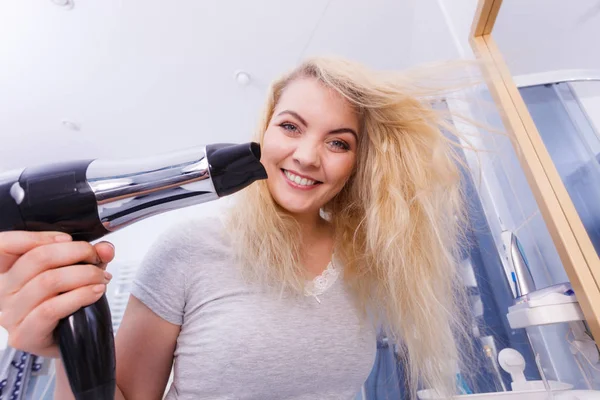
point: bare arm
(144, 345)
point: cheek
(342, 169)
(270, 148)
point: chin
(294, 201)
(294, 205)
(297, 209)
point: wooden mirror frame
(579, 258)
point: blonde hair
(398, 221)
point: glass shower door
(573, 143)
(508, 206)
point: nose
(307, 153)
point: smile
(299, 181)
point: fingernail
(99, 288)
(62, 238)
(108, 275)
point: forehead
(313, 100)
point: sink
(578, 395)
(429, 394)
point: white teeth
(298, 180)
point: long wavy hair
(399, 221)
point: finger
(16, 243)
(49, 284)
(42, 321)
(43, 258)
(106, 252)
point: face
(309, 148)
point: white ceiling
(537, 36)
(145, 76)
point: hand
(44, 277)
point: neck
(317, 238)
(311, 225)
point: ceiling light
(242, 78)
(74, 126)
(67, 4)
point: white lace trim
(321, 283)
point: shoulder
(184, 241)
(201, 235)
(195, 232)
(196, 244)
(179, 257)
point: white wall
(459, 15)
(538, 36)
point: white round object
(242, 77)
(512, 362)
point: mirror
(550, 50)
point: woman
(356, 227)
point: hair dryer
(91, 198)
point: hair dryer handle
(87, 347)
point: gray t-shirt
(239, 342)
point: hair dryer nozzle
(234, 166)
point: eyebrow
(303, 121)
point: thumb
(106, 253)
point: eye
(339, 145)
(289, 127)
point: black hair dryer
(92, 198)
